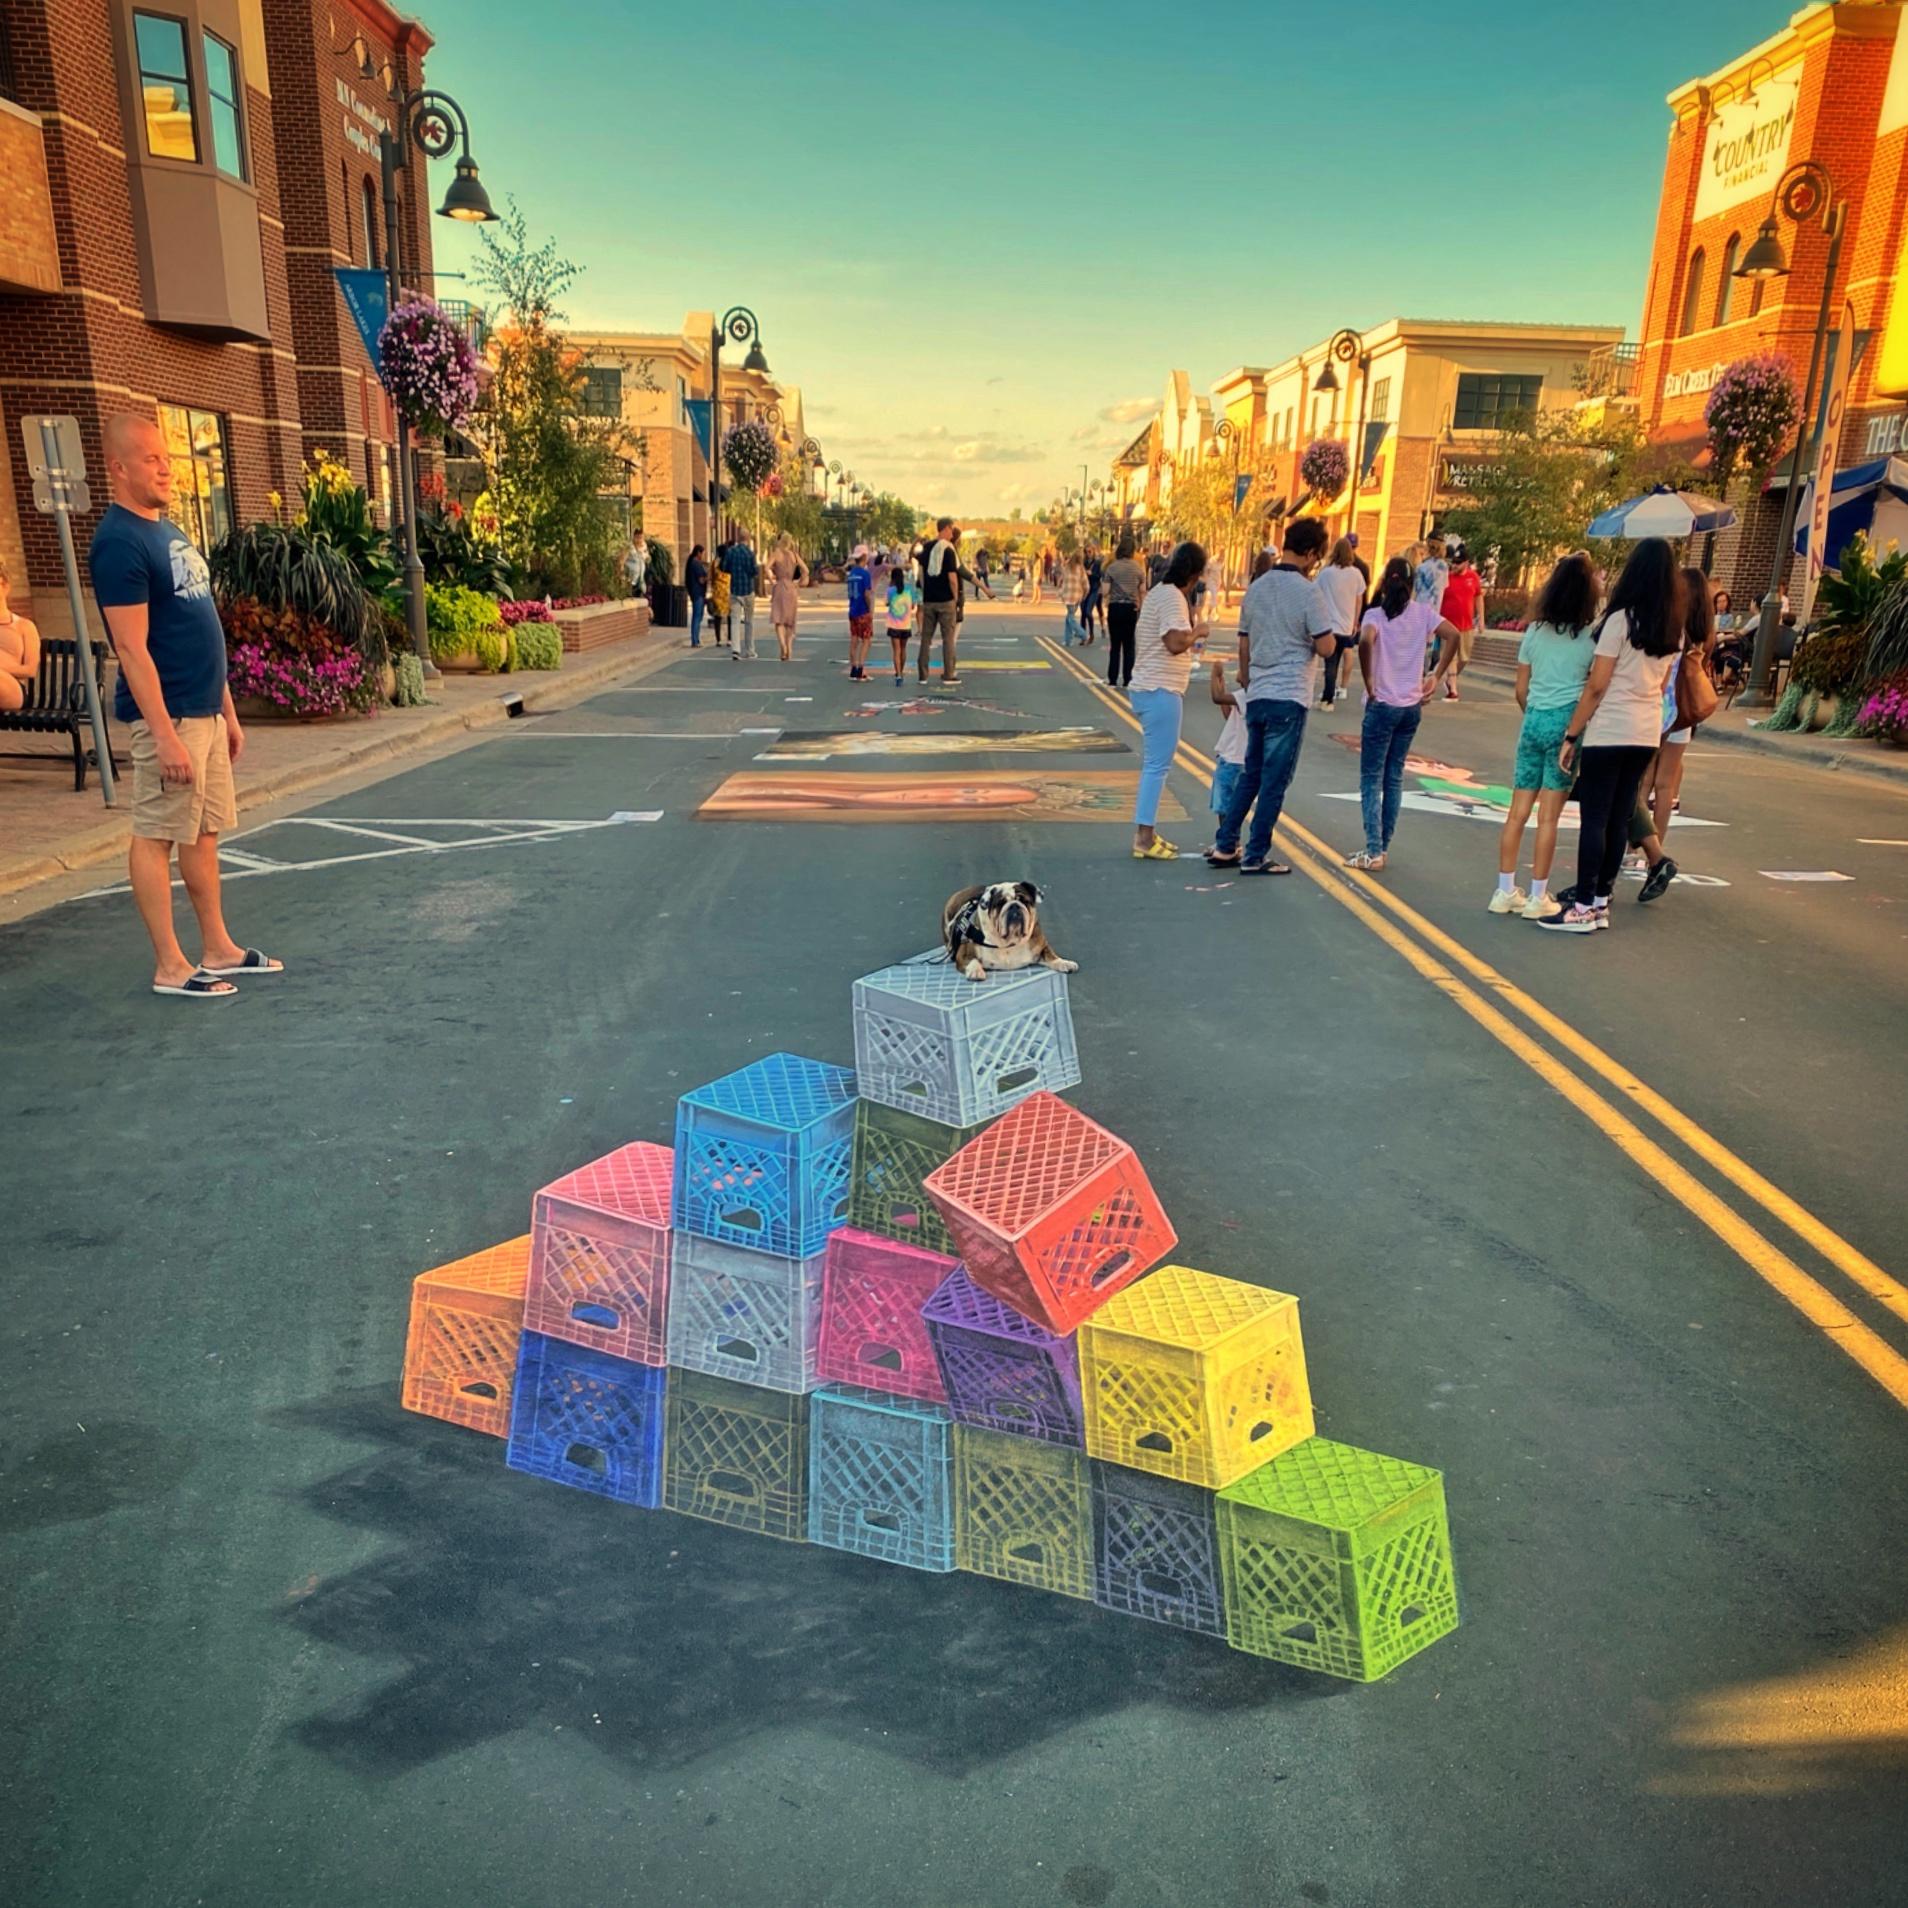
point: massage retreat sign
(1747, 148)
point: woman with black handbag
(1691, 701)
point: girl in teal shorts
(1552, 663)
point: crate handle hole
(586, 1457)
(1302, 1633)
(1020, 1077)
(1027, 1553)
(1410, 1615)
(907, 1218)
(841, 1208)
(881, 1520)
(1154, 1441)
(1263, 1429)
(731, 1484)
(479, 1388)
(919, 1088)
(1113, 1267)
(883, 1355)
(737, 1348)
(1156, 1584)
(1014, 1409)
(586, 1314)
(743, 1219)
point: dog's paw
(1063, 967)
(973, 970)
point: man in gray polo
(1285, 628)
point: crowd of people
(1611, 685)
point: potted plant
(668, 600)
(466, 628)
(285, 664)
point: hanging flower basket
(1752, 412)
(749, 454)
(1325, 466)
(428, 367)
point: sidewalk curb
(107, 838)
(1837, 757)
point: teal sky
(979, 247)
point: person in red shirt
(1463, 609)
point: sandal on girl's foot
(1372, 864)
(1214, 859)
(1159, 851)
(198, 985)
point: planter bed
(601, 623)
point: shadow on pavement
(516, 1603)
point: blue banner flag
(700, 410)
(366, 299)
(1374, 436)
(1240, 485)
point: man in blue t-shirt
(155, 593)
(860, 614)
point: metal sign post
(58, 464)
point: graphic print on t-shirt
(191, 579)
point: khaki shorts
(1467, 641)
(209, 806)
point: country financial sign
(1747, 148)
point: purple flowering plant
(1885, 714)
(428, 367)
(1752, 411)
(750, 454)
(1325, 466)
(309, 682)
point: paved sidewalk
(47, 830)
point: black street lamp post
(433, 122)
(1348, 348)
(1805, 196)
(739, 325)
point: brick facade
(1846, 62)
(89, 347)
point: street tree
(549, 465)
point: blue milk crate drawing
(930, 1041)
(580, 1417)
(881, 1477)
(751, 1316)
(763, 1156)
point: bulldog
(997, 929)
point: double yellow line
(1479, 990)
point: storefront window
(222, 89)
(1489, 400)
(1693, 292)
(1726, 290)
(165, 86)
(1381, 401)
(201, 492)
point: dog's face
(1009, 911)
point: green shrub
(284, 567)
(536, 646)
(460, 620)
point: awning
(1871, 498)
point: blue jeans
(1274, 731)
(697, 600)
(1383, 744)
(1073, 628)
(1160, 712)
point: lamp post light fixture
(1347, 347)
(739, 325)
(1804, 196)
(810, 453)
(433, 122)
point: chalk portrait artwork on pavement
(821, 746)
(1083, 796)
(931, 705)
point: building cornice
(1846, 19)
(400, 30)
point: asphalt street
(1604, 1229)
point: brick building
(1830, 85)
(182, 176)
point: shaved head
(137, 466)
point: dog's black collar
(965, 927)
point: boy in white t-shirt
(1231, 750)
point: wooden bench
(56, 703)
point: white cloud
(1129, 410)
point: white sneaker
(1540, 907)
(1508, 901)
